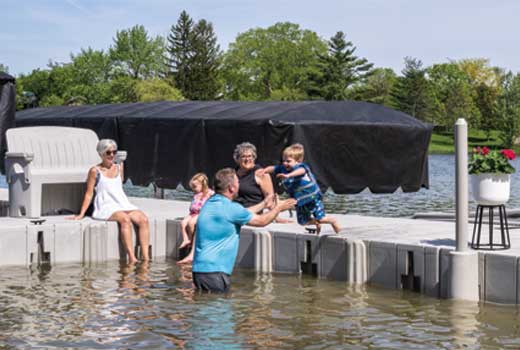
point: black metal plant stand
(504, 228)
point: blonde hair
(203, 179)
(294, 151)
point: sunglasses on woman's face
(109, 153)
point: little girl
(199, 185)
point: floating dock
(389, 252)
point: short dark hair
(223, 179)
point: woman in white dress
(111, 203)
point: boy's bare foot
(336, 226)
(318, 227)
(185, 243)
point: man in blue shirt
(218, 229)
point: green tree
(122, 89)
(338, 70)
(153, 90)
(180, 51)
(485, 80)
(453, 90)
(51, 100)
(508, 110)
(412, 93)
(37, 82)
(91, 73)
(137, 55)
(206, 62)
(263, 60)
(377, 88)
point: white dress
(110, 196)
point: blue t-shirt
(303, 188)
(218, 229)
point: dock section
(389, 252)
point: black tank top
(249, 192)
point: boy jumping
(301, 185)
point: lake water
(112, 306)
(153, 307)
(439, 197)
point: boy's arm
(267, 170)
(294, 173)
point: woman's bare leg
(125, 228)
(141, 220)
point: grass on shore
(443, 143)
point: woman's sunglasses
(109, 153)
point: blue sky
(384, 31)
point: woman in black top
(253, 188)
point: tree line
(282, 62)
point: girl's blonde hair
(203, 179)
(294, 151)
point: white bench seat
(47, 168)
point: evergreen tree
(180, 51)
(204, 81)
(338, 70)
(411, 93)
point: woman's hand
(76, 217)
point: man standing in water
(218, 229)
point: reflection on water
(153, 306)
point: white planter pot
(491, 189)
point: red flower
(509, 154)
(485, 151)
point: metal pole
(461, 184)
(464, 262)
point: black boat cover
(7, 110)
(348, 145)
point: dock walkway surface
(389, 252)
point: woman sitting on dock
(111, 203)
(253, 187)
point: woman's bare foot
(185, 243)
(132, 260)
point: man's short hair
(223, 179)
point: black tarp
(7, 110)
(349, 145)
